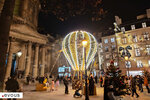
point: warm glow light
(84, 43)
(19, 54)
(74, 50)
(126, 58)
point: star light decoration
(74, 51)
(64, 9)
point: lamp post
(84, 43)
(18, 55)
(127, 58)
(126, 54)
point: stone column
(22, 58)
(27, 69)
(9, 61)
(42, 62)
(35, 66)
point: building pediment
(24, 32)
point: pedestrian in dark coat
(101, 81)
(66, 85)
(12, 85)
(140, 82)
(146, 84)
(91, 85)
(96, 79)
(133, 87)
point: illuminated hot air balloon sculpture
(75, 52)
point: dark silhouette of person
(96, 79)
(91, 86)
(28, 79)
(140, 82)
(66, 85)
(12, 85)
(106, 89)
(133, 87)
(101, 81)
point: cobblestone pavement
(30, 94)
(142, 96)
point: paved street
(31, 94)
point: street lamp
(84, 43)
(18, 55)
(126, 54)
(127, 58)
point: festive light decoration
(74, 51)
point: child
(57, 84)
(77, 93)
(52, 85)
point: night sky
(125, 9)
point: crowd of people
(130, 85)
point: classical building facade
(35, 47)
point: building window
(135, 38)
(112, 39)
(105, 40)
(106, 49)
(128, 64)
(124, 40)
(148, 49)
(137, 52)
(146, 36)
(149, 63)
(123, 29)
(115, 64)
(143, 24)
(139, 63)
(133, 27)
(113, 47)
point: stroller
(77, 94)
(78, 87)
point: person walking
(91, 85)
(96, 79)
(28, 78)
(52, 85)
(57, 84)
(101, 81)
(133, 87)
(12, 85)
(146, 84)
(140, 82)
(66, 85)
